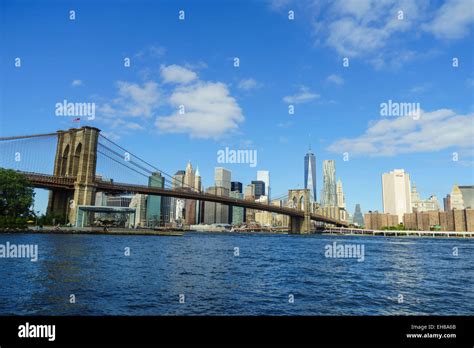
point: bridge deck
(67, 183)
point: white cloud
(152, 51)
(76, 83)
(210, 112)
(336, 79)
(177, 74)
(304, 96)
(434, 131)
(136, 100)
(133, 101)
(248, 84)
(452, 20)
(370, 30)
(209, 109)
(364, 28)
(420, 88)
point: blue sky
(299, 62)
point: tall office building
(329, 192)
(447, 202)
(178, 179)
(264, 175)
(222, 178)
(166, 210)
(197, 181)
(259, 188)
(467, 196)
(237, 213)
(310, 174)
(249, 192)
(189, 204)
(216, 213)
(189, 177)
(198, 188)
(153, 203)
(358, 216)
(236, 186)
(396, 193)
(341, 200)
(457, 201)
(177, 204)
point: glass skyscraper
(358, 217)
(310, 174)
(259, 188)
(153, 204)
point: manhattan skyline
(282, 62)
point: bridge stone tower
(299, 199)
(76, 156)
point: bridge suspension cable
(27, 136)
(143, 162)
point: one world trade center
(310, 174)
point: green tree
(16, 194)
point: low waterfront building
(139, 202)
(264, 218)
(451, 220)
(118, 201)
(279, 219)
(332, 212)
(376, 220)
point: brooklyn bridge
(73, 181)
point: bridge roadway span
(67, 183)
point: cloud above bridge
(203, 110)
(176, 102)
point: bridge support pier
(299, 199)
(297, 225)
(76, 156)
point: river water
(237, 274)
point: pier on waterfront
(397, 233)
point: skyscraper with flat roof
(264, 175)
(153, 203)
(358, 216)
(341, 200)
(396, 193)
(236, 186)
(222, 178)
(467, 196)
(259, 188)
